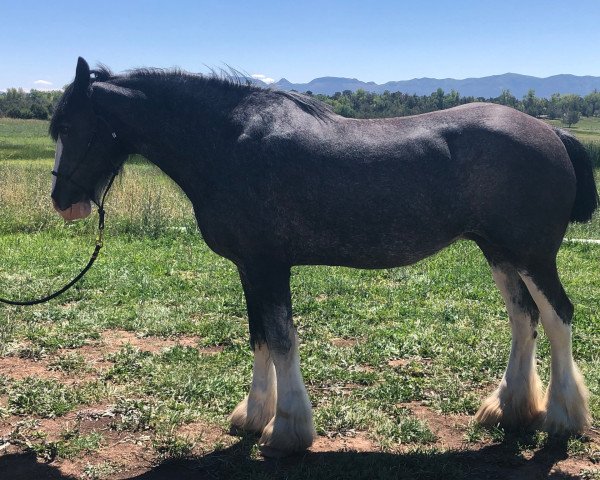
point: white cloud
(42, 82)
(263, 78)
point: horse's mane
(232, 79)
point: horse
(276, 180)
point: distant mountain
(485, 87)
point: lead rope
(98, 247)
(76, 279)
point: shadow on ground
(499, 461)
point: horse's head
(87, 150)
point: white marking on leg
(258, 408)
(566, 397)
(57, 157)
(518, 399)
(291, 429)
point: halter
(99, 238)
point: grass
(587, 129)
(374, 343)
(25, 140)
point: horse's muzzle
(74, 212)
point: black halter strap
(99, 238)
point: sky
(378, 41)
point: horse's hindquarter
(389, 192)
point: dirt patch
(358, 443)
(399, 362)
(130, 454)
(95, 353)
(124, 454)
(120, 450)
(18, 368)
(114, 340)
(528, 463)
(127, 455)
(449, 429)
(204, 436)
(211, 350)
(403, 362)
(344, 342)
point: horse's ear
(82, 76)
(124, 103)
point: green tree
(451, 99)
(592, 104)
(531, 104)
(571, 106)
(554, 106)
(570, 117)
(507, 98)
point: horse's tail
(586, 198)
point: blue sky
(374, 41)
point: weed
(100, 471)
(46, 398)
(69, 363)
(173, 446)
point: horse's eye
(64, 130)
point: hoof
(567, 410)
(562, 421)
(285, 435)
(252, 416)
(511, 412)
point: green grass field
(587, 129)
(142, 362)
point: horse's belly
(397, 252)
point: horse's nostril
(57, 204)
(61, 203)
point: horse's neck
(184, 143)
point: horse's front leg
(277, 404)
(255, 411)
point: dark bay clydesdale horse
(276, 180)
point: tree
(507, 98)
(570, 106)
(592, 103)
(451, 99)
(554, 106)
(570, 117)
(438, 98)
(531, 104)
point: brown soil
(344, 342)
(95, 353)
(18, 368)
(127, 455)
(130, 454)
(358, 443)
(449, 429)
(114, 340)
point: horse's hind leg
(278, 404)
(517, 401)
(567, 397)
